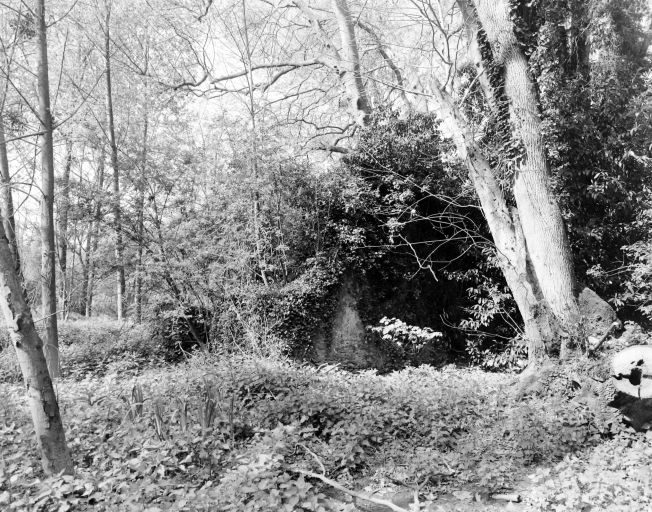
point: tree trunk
(48, 250)
(94, 235)
(7, 202)
(351, 63)
(541, 219)
(117, 221)
(140, 206)
(64, 206)
(540, 326)
(253, 155)
(50, 436)
(86, 269)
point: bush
(180, 330)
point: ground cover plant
(94, 347)
(240, 433)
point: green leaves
(456, 429)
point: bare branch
(355, 494)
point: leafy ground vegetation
(247, 434)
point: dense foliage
(234, 433)
(592, 71)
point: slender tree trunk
(48, 249)
(140, 206)
(71, 276)
(86, 269)
(7, 202)
(50, 436)
(117, 220)
(94, 235)
(253, 156)
(360, 106)
(64, 206)
(541, 219)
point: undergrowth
(96, 347)
(234, 434)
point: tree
(351, 63)
(540, 217)
(6, 199)
(113, 148)
(92, 238)
(38, 367)
(48, 249)
(63, 210)
(48, 426)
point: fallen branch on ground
(355, 494)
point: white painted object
(632, 371)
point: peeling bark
(50, 435)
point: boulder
(598, 315)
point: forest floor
(243, 434)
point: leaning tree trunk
(351, 63)
(6, 200)
(540, 325)
(541, 219)
(117, 213)
(64, 206)
(48, 249)
(48, 427)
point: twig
(321, 464)
(615, 325)
(355, 494)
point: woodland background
(208, 179)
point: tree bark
(7, 202)
(541, 219)
(540, 326)
(50, 436)
(117, 220)
(48, 249)
(64, 206)
(350, 63)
